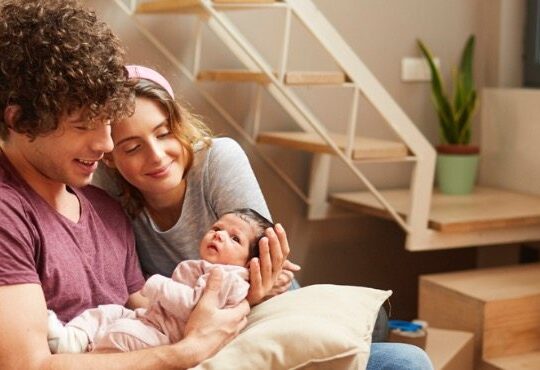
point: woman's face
(146, 153)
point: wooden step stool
(524, 361)
(450, 349)
(501, 306)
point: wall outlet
(416, 69)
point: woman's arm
(23, 343)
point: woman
(175, 181)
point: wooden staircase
(501, 306)
(312, 134)
(428, 222)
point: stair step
(364, 148)
(296, 78)
(501, 306)
(315, 78)
(484, 209)
(244, 1)
(169, 6)
(233, 75)
(525, 361)
(193, 6)
(450, 349)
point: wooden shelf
(364, 148)
(484, 209)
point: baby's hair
(248, 214)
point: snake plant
(454, 116)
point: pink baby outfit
(171, 301)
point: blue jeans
(397, 356)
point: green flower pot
(456, 173)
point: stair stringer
(376, 94)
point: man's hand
(265, 270)
(209, 328)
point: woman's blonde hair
(186, 127)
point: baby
(230, 244)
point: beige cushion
(316, 327)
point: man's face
(69, 155)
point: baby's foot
(55, 331)
(65, 339)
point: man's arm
(23, 343)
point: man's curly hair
(57, 57)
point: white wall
(510, 139)
(360, 250)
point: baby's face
(227, 242)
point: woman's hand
(285, 279)
(267, 270)
(209, 327)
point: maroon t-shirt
(79, 265)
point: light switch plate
(416, 69)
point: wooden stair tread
(233, 75)
(499, 305)
(524, 361)
(169, 6)
(364, 148)
(450, 349)
(244, 1)
(484, 209)
(315, 78)
(292, 78)
(193, 6)
(500, 283)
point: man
(65, 245)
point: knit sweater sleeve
(231, 182)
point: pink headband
(149, 74)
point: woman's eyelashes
(162, 132)
(132, 148)
(164, 135)
(129, 149)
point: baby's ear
(108, 160)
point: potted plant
(457, 159)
